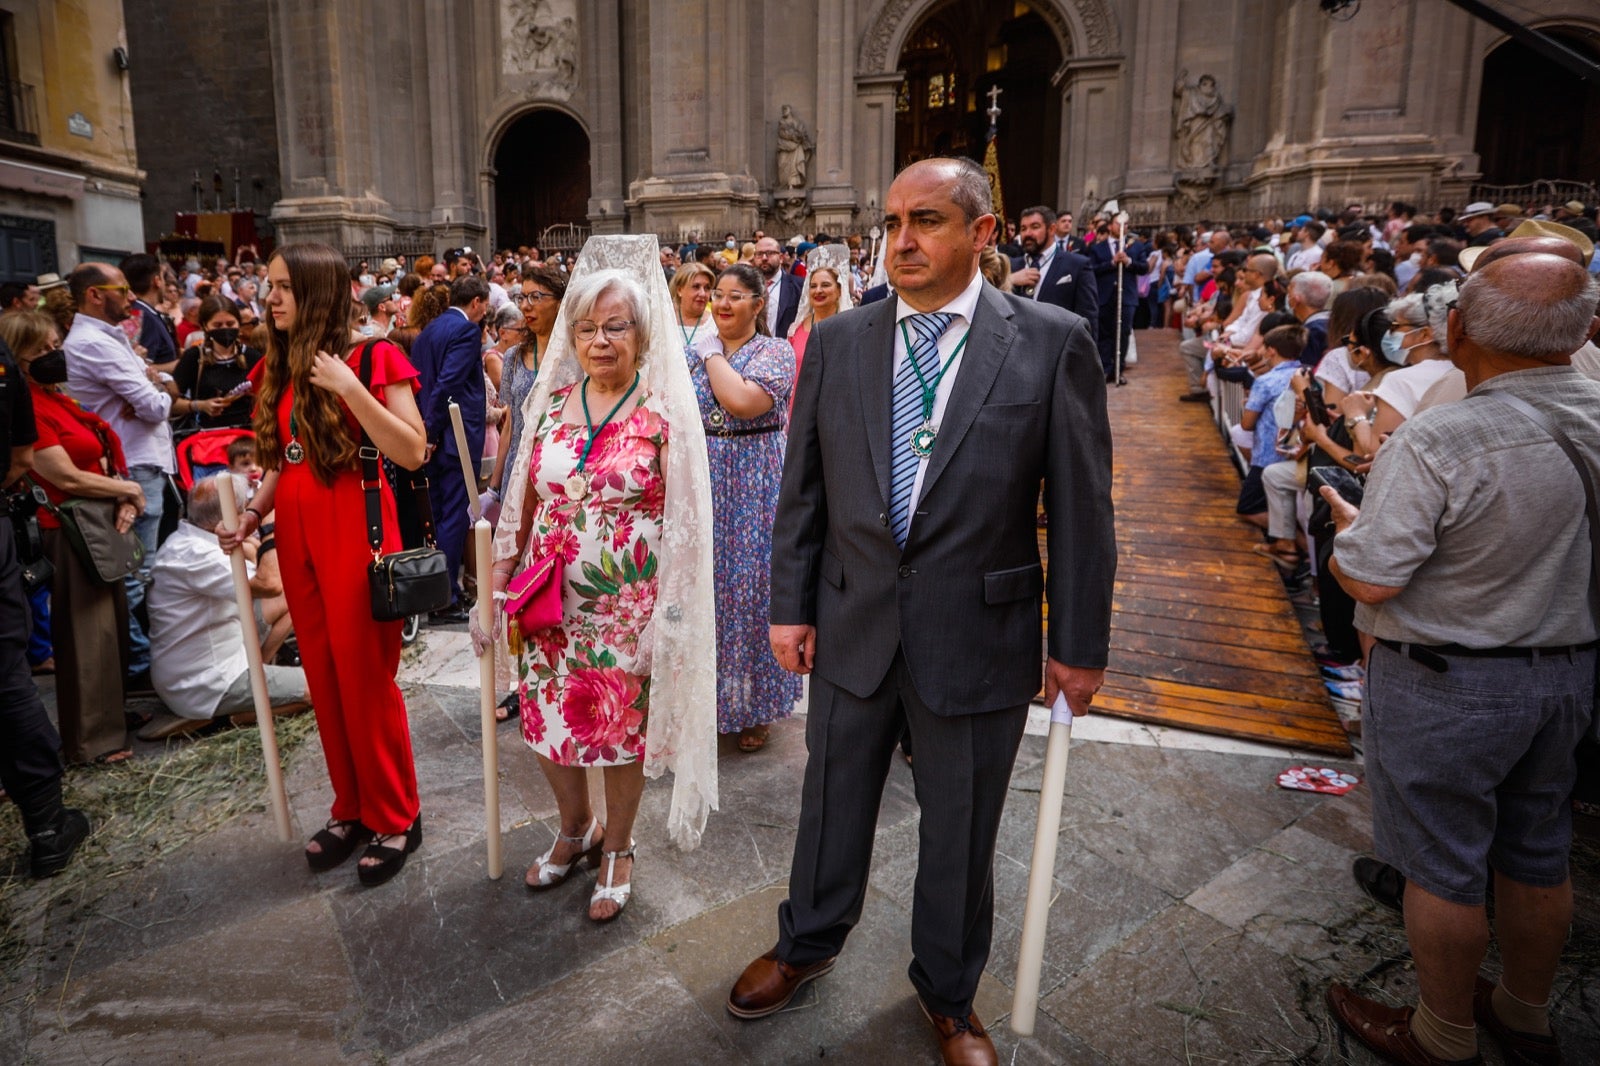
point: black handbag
(403, 583)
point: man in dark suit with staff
(906, 578)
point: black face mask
(50, 368)
(223, 338)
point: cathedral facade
(430, 123)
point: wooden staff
(486, 689)
(1041, 876)
(276, 796)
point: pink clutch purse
(533, 598)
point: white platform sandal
(605, 890)
(546, 874)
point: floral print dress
(580, 705)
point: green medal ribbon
(594, 430)
(922, 439)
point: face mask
(225, 338)
(728, 245)
(1392, 350)
(369, 330)
(50, 368)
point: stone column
(1092, 142)
(874, 138)
(601, 30)
(833, 194)
(1153, 64)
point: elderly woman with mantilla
(611, 476)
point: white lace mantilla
(678, 649)
(836, 256)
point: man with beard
(783, 288)
(1048, 273)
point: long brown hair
(319, 279)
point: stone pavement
(1200, 912)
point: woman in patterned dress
(743, 377)
(596, 491)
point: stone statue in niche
(542, 40)
(790, 210)
(795, 148)
(1201, 120)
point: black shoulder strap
(1591, 508)
(372, 481)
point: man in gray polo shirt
(1470, 559)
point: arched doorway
(541, 176)
(950, 59)
(1554, 138)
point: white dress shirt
(196, 641)
(107, 376)
(963, 307)
(774, 292)
(1306, 258)
(1244, 327)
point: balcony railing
(19, 116)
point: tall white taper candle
(1035, 917)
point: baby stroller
(204, 453)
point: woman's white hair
(585, 292)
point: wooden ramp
(1203, 635)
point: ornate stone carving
(795, 149)
(1201, 120)
(1089, 30)
(542, 41)
(790, 210)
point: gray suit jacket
(963, 600)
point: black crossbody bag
(403, 583)
(1586, 793)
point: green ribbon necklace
(923, 436)
(294, 451)
(578, 483)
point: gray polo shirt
(1477, 514)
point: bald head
(1525, 245)
(1264, 264)
(1536, 305)
(968, 184)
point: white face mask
(729, 245)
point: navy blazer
(159, 347)
(1069, 282)
(1106, 271)
(962, 600)
(789, 289)
(448, 355)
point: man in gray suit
(906, 578)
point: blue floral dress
(746, 469)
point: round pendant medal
(717, 417)
(294, 452)
(922, 440)
(577, 487)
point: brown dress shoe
(1385, 1031)
(962, 1041)
(1520, 1049)
(768, 984)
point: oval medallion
(294, 452)
(922, 441)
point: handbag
(533, 598)
(402, 583)
(90, 526)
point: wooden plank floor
(1203, 635)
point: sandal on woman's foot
(605, 891)
(388, 859)
(506, 710)
(754, 738)
(336, 842)
(545, 874)
(1286, 559)
(111, 758)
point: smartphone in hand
(1340, 480)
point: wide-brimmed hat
(1508, 210)
(49, 281)
(1575, 206)
(1534, 227)
(1475, 209)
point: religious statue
(1200, 122)
(542, 40)
(794, 150)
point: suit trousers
(91, 634)
(1194, 355)
(962, 772)
(1106, 337)
(447, 496)
(350, 660)
(30, 750)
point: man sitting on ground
(198, 662)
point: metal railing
(1542, 193)
(1227, 405)
(19, 115)
(564, 237)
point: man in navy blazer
(1048, 272)
(448, 355)
(1107, 254)
(783, 288)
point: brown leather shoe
(1385, 1031)
(962, 1041)
(768, 984)
(1520, 1049)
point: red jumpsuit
(350, 660)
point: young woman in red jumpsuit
(310, 409)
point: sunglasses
(111, 288)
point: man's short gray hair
(584, 293)
(969, 185)
(1530, 325)
(1312, 288)
(205, 506)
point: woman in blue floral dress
(743, 378)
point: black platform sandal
(390, 860)
(336, 848)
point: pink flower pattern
(580, 707)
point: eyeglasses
(535, 297)
(616, 329)
(734, 298)
(765, 255)
(111, 288)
